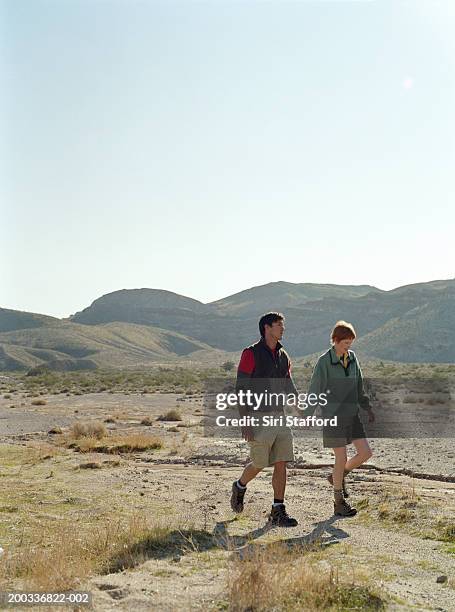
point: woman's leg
(339, 467)
(340, 506)
(364, 453)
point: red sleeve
(247, 364)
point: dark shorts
(344, 433)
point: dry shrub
(171, 415)
(136, 442)
(276, 578)
(446, 530)
(73, 553)
(411, 399)
(397, 504)
(39, 402)
(117, 444)
(147, 421)
(92, 429)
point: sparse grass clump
(276, 578)
(171, 415)
(147, 421)
(446, 531)
(93, 429)
(394, 506)
(116, 444)
(90, 465)
(136, 442)
(70, 556)
(39, 402)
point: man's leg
(248, 474)
(279, 481)
(239, 486)
(259, 453)
(279, 517)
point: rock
(118, 593)
(55, 430)
(107, 587)
(441, 579)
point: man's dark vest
(267, 365)
(270, 374)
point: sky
(208, 147)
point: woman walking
(337, 373)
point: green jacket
(344, 386)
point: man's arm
(244, 372)
(291, 389)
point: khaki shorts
(270, 445)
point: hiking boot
(237, 497)
(342, 508)
(345, 491)
(280, 518)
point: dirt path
(392, 542)
(405, 566)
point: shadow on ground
(177, 543)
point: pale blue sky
(206, 147)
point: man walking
(265, 367)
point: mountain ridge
(147, 325)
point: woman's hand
(371, 417)
(247, 433)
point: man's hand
(371, 417)
(247, 434)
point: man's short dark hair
(268, 319)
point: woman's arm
(318, 384)
(364, 400)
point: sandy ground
(191, 478)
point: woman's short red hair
(342, 331)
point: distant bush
(147, 421)
(39, 370)
(227, 366)
(119, 444)
(411, 399)
(39, 402)
(90, 465)
(94, 429)
(171, 415)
